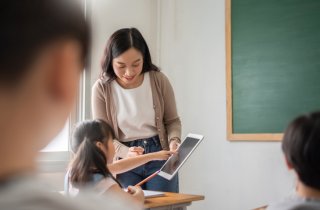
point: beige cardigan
(166, 117)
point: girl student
(93, 167)
(137, 100)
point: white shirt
(135, 112)
(100, 185)
(27, 193)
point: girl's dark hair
(119, 42)
(301, 146)
(30, 25)
(89, 158)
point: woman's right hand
(135, 151)
(136, 192)
(161, 155)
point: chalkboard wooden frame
(272, 69)
(230, 134)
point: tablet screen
(184, 151)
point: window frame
(57, 161)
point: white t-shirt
(27, 193)
(99, 185)
(135, 112)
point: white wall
(191, 51)
(232, 175)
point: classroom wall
(232, 175)
(187, 40)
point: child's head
(43, 45)
(120, 42)
(92, 143)
(301, 146)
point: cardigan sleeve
(99, 103)
(171, 119)
(99, 111)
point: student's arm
(124, 165)
(135, 195)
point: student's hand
(136, 192)
(174, 145)
(161, 155)
(135, 151)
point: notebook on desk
(151, 193)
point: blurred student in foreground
(43, 46)
(301, 147)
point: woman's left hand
(174, 145)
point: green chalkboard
(274, 63)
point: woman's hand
(174, 145)
(136, 192)
(161, 155)
(135, 151)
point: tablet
(174, 163)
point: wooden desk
(261, 208)
(172, 201)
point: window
(56, 155)
(60, 142)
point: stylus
(148, 178)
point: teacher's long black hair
(121, 41)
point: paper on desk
(151, 193)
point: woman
(137, 100)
